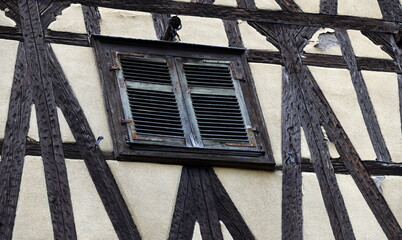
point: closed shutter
(220, 117)
(151, 102)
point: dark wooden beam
(373, 167)
(351, 160)
(292, 195)
(324, 60)
(13, 149)
(288, 5)
(232, 13)
(363, 97)
(11, 33)
(329, 7)
(48, 124)
(160, 24)
(310, 121)
(391, 10)
(92, 19)
(68, 38)
(11, 10)
(51, 11)
(233, 33)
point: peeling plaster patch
(359, 8)
(33, 220)
(257, 195)
(6, 21)
(71, 20)
(364, 47)
(268, 82)
(231, 3)
(326, 41)
(383, 91)
(267, 4)
(378, 180)
(252, 39)
(8, 57)
(340, 93)
(323, 42)
(125, 23)
(310, 6)
(200, 30)
(91, 218)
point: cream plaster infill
(71, 20)
(8, 57)
(6, 21)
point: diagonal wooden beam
(310, 121)
(160, 24)
(391, 10)
(363, 97)
(232, 13)
(351, 159)
(48, 124)
(14, 146)
(12, 11)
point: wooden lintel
(233, 13)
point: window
(182, 103)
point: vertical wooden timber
(292, 195)
(366, 106)
(92, 19)
(329, 7)
(310, 121)
(48, 123)
(233, 33)
(14, 146)
(351, 160)
(160, 24)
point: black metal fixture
(171, 31)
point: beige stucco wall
(79, 66)
(70, 20)
(150, 192)
(33, 219)
(268, 83)
(6, 21)
(9, 55)
(359, 8)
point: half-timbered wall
(367, 107)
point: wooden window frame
(260, 158)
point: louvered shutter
(149, 100)
(218, 105)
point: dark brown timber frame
(298, 86)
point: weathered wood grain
(51, 11)
(92, 19)
(13, 149)
(391, 10)
(288, 5)
(233, 33)
(232, 13)
(292, 195)
(351, 159)
(11, 10)
(160, 24)
(329, 7)
(48, 124)
(310, 121)
(363, 97)
(98, 169)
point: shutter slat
(154, 110)
(208, 76)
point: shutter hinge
(237, 73)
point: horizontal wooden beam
(324, 60)
(233, 13)
(372, 166)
